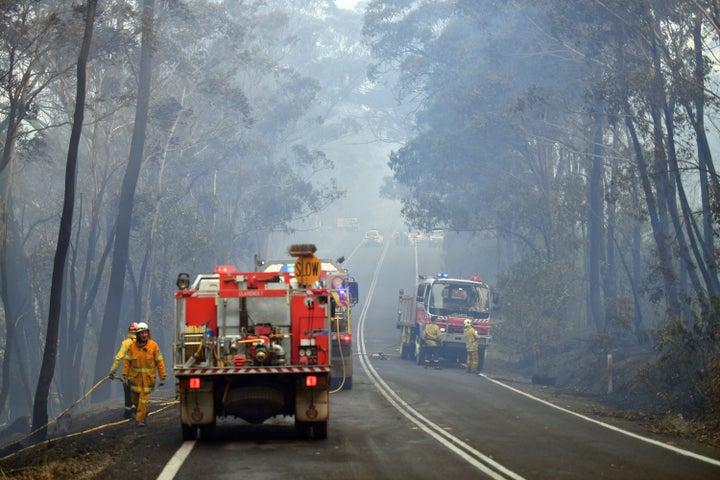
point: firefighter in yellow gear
(433, 341)
(119, 357)
(471, 345)
(142, 360)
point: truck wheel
(189, 433)
(404, 353)
(348, 383)
(320, 430)
(207, 432)
(419, 352)
(302, 429)
(481, 359)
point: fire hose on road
(19, 443)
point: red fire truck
(450, 301)
(253, 345)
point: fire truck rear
(450, 301)
(252, 345)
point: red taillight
(194, 382)
(311, 381)
(346, 338)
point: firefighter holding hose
(119, 357)
(142, 361)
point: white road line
(431, 428)
(475, 458)
(680, 451)
(172, 467)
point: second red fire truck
(449, 301)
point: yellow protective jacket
(432, 335)
(471, 339)
(140, 366)
(121, 353)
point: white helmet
(467, 322)
(141, 327)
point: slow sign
(307, 269)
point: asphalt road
(403, 421)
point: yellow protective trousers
(473, 359)
(140, 398)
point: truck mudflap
(197, 406)
(312, 403)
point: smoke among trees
(571, 142)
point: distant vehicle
(402, 239)
(348, 223)
(437, 237)
(421, 239)
(374, 238)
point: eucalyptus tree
(656, 81)
(499, 144)
(113, 304)
(277, 165)
(29, 41)
(198, 106)
(233, 148)
(663, 111)
(40, 411)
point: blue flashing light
(442, 275)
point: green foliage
(685, 373)
(711, 384)
(619, 314)
(534, 295)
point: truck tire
(348, 383)
(207, 432)
(404, 351)
(419, 352)
(189, 433)
(481, 358)
(320, 430)
(302, 429)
